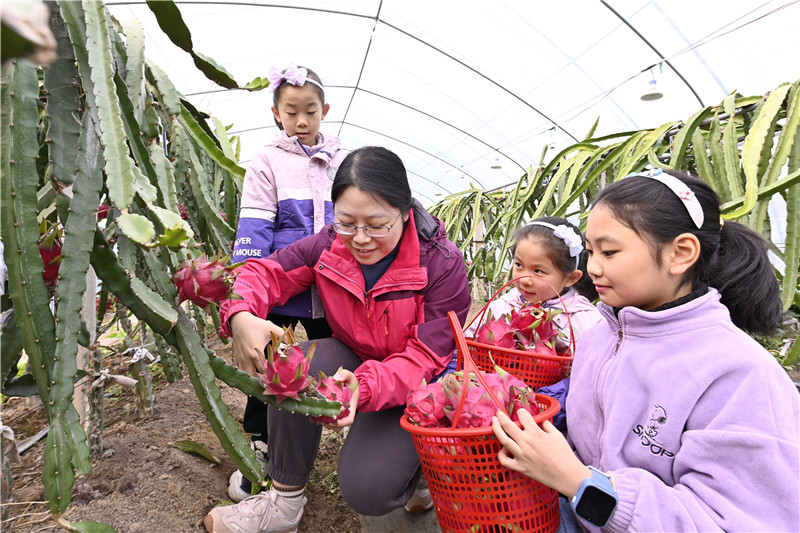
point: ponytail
(742, 273)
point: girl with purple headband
(286, 196)
(677, 419)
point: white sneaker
(421, 500)
(257, 514)
(239, 487)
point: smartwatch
(596, 499)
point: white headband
(682, 191)
(568, 235)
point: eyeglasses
(371, 231)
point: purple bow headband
(292, 75)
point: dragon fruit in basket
(530, 328)
(435, 404)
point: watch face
(595, 506)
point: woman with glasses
(387, 276)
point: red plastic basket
(535, 369)
(470, 487)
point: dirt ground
(144, 484)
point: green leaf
(208, 145)
(190, 446)
(256, 84)
(89, 526)
(757, 146)
(214, 71)
(171, 23)
(788, 137)
(137, 228)
(684, 136)
(173, 224)
(168, 94)
(119, 167)
(159, 308)
(63, 103)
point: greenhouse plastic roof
(457, 88)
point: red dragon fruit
(477, 412)
(286, 371)
(102, 211)
(202, 281)
(435, 404)
(183, 212)
(50, 250)
(522, 398)
(336, 391)
(530, 328)
(497, 332)
(425, 406)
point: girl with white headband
(286, 196)
(677, 419)
(549, 257)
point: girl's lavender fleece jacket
(696, 422)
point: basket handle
(469, 367)
(483, 311)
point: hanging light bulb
(551, 144)
(496, 165)
(652, 92)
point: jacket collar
(324, 149)
(689, 315)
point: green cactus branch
(243, 381)
(20, 230)
(198, 367)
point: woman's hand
(250, 337)
(349, 379)
(541, 453)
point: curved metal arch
(378, 20)
(434, 156)
(654, 49)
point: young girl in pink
(286, 196)
(550, 252)
(680, 421)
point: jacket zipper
(601, 380)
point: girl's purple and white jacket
(697, 423)
(287, 196)
(582, 313)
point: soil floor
(142, 483)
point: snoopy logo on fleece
(649, 432)
(658, 417)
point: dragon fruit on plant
(286, 371)
(336, 391)
(202, 281)
(50, 250)
(102, 211)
